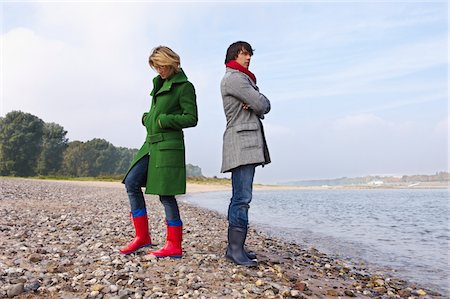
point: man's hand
(245, 106)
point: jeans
(170, 207)
(242, 183)
(135, 180)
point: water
(406, 230)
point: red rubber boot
(172, 248)
(142, 237)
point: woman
(159, 165)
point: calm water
(404, 230)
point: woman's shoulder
(188, 84)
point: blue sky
(356, 87)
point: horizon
(356, 87)
(373, 175)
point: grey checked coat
(243, 141)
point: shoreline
(61, 240)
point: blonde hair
(164, 56)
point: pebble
(421, 293)
(32, 285)
(60, 239)
(15, 290)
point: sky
(356, 87)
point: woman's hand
(144, 117)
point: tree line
(29, 147)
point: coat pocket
(170, 154)
(247, 134)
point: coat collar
(179, 77)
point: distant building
(376, 183)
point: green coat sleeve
(188, 117)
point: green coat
(173, 108)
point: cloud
(361, 121)
(366, 130)
(84, 65)
(358, 145)
(28, 62)
(442, 129)
(374, 71)
(395, 62)
(80, 88)
(278, 131)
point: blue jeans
(135, 180)
(242, 183)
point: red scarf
(232, 64)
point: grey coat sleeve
(239, 87)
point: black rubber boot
(250, 254)
(235, 250)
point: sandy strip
(194, 188)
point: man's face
(243, 58)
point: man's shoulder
(233, 72)
(232, 75)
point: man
(244, 144)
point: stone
(32, 285)
(97, 287)
(35, 258)
(301, 286)
(349, 293)
(380, 290)
(421, 292)
(295, 293)
(15, 290)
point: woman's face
(163, 71)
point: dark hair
(234, 49)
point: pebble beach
(60, 239)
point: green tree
(193, 171)
(125, 157)
(54, 143)
(101, 157)
(91, 158)
(74, 162)
(20, 143)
